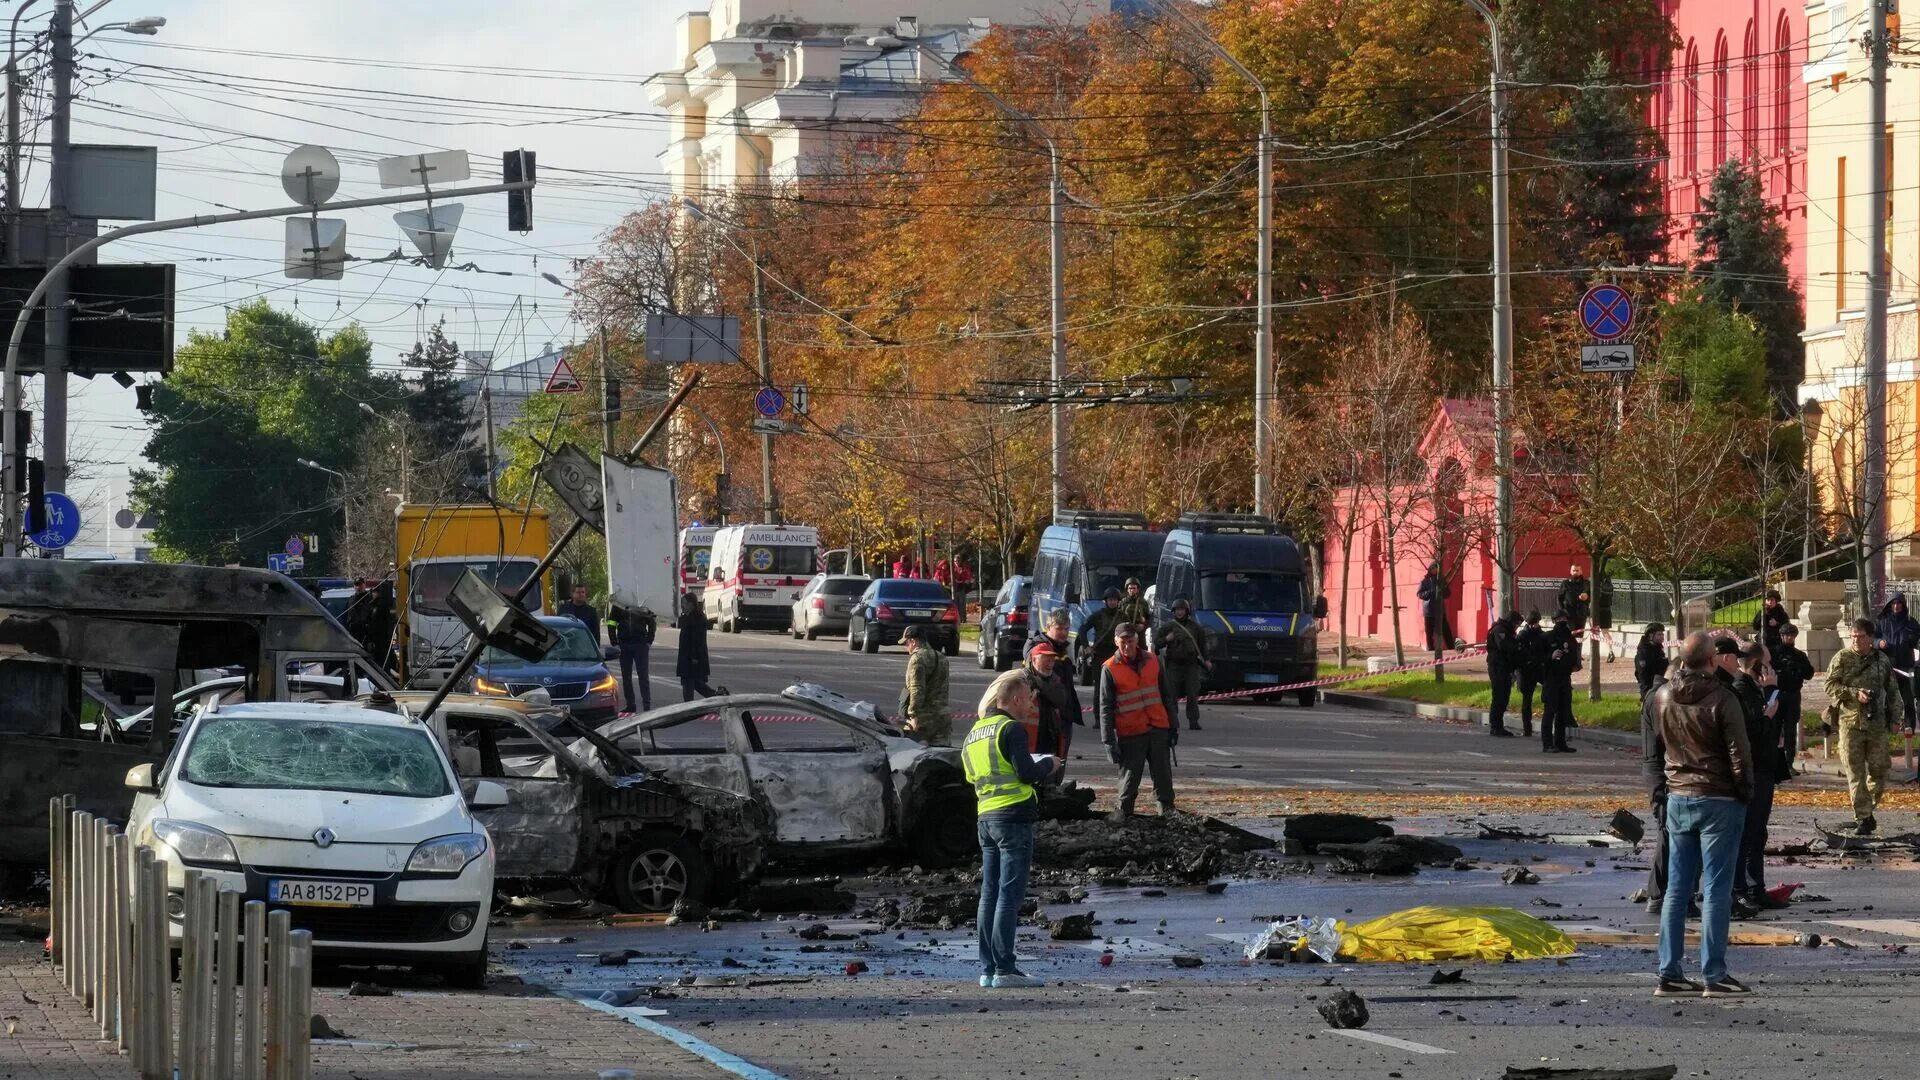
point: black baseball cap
(1726, 646)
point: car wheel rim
(658, 878)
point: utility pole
(607, 396)
(1504, 595)
(1057, 368)
(486, 414)
(1874, 490)
(59, 315)
(769, 504)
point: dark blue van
(1247, 584)
(1082, 555)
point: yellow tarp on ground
(1453, 933)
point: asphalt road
(1240, 745)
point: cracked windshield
(315, 755)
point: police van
(1082, 555)
(756, 572)
(1247, 585)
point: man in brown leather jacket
(1709, 766)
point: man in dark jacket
(1533, 660)
(1504, 661)
(1653, 770)
(1769, 619)
(580, 609)
(690, 663)
(1182, 646)
(1576, 598)
(1434, 593)
(631, 630)
(1057, 706)
(1752, 684)
(1556, 685)
(1703, 741)
(1791, 670)
(1897, 634)
(1650, 660)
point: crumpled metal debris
(1316, 934)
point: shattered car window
(372, 759)
(703, 733)
(788, 731)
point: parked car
(228, 690)
(1005, 625)
(573, 674)
(890, 605)
(824, 605)
(348, 817)
(586, 814)
(834, 778)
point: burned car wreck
(589, 815)
(833, 779)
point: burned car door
(826, 782)
(691, 746)
(537, 834)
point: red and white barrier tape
(1335, 680)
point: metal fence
(111, 914)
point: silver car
(824, 605)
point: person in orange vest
(1136, 710)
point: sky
(226, 89)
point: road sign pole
(769, 504)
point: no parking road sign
(769, 402)
(1606, 311)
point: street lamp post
(346, 509)
(1502, 326)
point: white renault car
(349, 817)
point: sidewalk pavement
(508, 1033)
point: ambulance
(756, 572)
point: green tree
(1609, 192)
(1714, 355)
(437, 406)
(231, 424)
(1743, 267)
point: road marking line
(1878, 926)
(1217, 750)
(719, 1058)
(1473, 753)
(1351, 734)
(1388, 1040)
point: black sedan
(1004, 626)
(890, 605)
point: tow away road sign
(771, 427)
(1606, 311)
(1607, 359)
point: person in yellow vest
(1003, 772)
(1136, 706)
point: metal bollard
(112, 858)
(300, 1005)
(159, 973)
(226, 968)
(98, 988)
(279, 932)
(83, 913)
(76, 833)
(128, 992)
(139, 1047)
(56, 879)
(189, 974)
(208, 901)
(253, 994)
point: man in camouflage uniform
(1865, 706)
(1134, 608)
(1182, 646)
(1097, 634)
(924, 701)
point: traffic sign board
(1606, 311)
(1612, 357)
(63, 523)
(277, 562)
(769, 402)
(762, 426)
(800, 398)
(296, 547)
(563, 380)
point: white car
(349, 817)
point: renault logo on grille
(323, 837)
(1263, 645)
(546, 680)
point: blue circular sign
(769, 402)
(1606, 311)
(296, 546)
(63, 523)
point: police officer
(1866, 705)
(1533, 662)
(632, 631)
(1504, 661)
(1134, 608)
(1791, 671)
(1556, 685)
(1181, 645)
(1097, 632)
(923, 702)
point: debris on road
(616, 958)
(1306, 832)
(1152, 850)
(1520, 875)
(1658, 1072)
(1501, 832)
(1304, 938)
(1186, 960)
(1372, 857)
(1448, 978)
(1072, 928)
(368, 989)
(1345, 1009)
(797, 894)
(1627, 826)
(318, 1028)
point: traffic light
(36, 496)
(515, 166)
(611, 397)
(22, 433)
(720, 496)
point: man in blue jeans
(1003, 771)
(1702, 736)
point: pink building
(1458, 450)
(1733, 89)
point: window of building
(1783, 86)
(1750, 95)
(1839, 237)
(1690, 106)
(1720, 116)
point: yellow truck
(433, 546)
